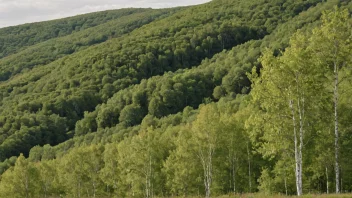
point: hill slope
(60, 92)
(142, 77)
(16, 38)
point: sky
(15, 12)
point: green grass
(258, 195)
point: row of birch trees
(302, 93)
(208, 155)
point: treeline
(303, 105)
(165, 161)
(56, 48)
(16, 38)
(53, 97)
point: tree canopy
(226, 97)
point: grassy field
(258, 195)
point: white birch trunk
(206, 161)
(206, 158)
(327, 180)
(232, 159)
(285, 179)
(300, 147)
(234, 175)
(300, 108)
(146, 186)
(249, 170)
(297, 157)
(337, 170)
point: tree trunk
(206, 158)
(327, 180)
(148, 177)
(94, 189)
(300, 108)
(234, 175)
(341, 184)
(233, 160)
(249, 170)
(208, 173)
(297, 157)
(285, 183)
(207, 169)
(301, 131)
(337, 171)
(146, 186)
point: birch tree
(139, 161)
(20, 181)
(238, 147)
(235, 148)
(332, 45)
(77, 173)
(48, 177)
(110, 173)
(286, 92)
(93, 167)
(182, 170)
(206, 133)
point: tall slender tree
(287, 94)
(332, 45)
(206, 138)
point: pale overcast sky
(14, 12)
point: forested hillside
(232, 96)
(17, 38)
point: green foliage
(79, 171)
(131, 115)
(53, 49)
(299, 106)
(152, 103)
(20, 181)
(64, 88)
(17, 38)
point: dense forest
(227, 97)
